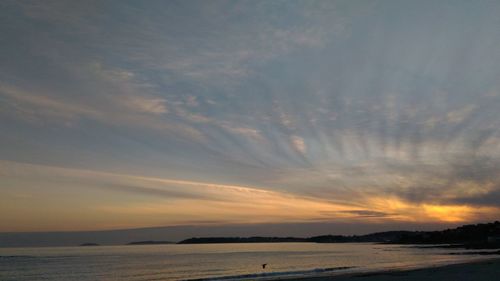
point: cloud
(109, 74)
(177, 201)
(298, 143)
(459, 115)
(37, 107)
(331, 102)
(148, 105)
(366, 213)
(244, 131)
(30, 105)
(192, 117)
(192, 101)
(489, 198)
(231, 127)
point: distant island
(475, 236)
(150, 242)
(88, 244)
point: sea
(215, 261)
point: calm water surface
(211, 261)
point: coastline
(482, 270)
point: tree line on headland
(486, 235)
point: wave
(27, 257)
(274, 274)
(16, 257)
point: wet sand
(487, 270)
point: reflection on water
(178, 262)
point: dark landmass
(474, 236)
(257, 239)
(374, 237)
(181, 232)
(150, 243)
(483, 253)
(89, 244)
(479, 236)
(390, 236)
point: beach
(486, 270)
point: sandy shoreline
(484, 270)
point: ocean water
(212, 261)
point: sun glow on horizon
(148, 201)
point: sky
(129, 114)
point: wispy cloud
(352, 108)
(151, 105)
(29, 105)
(298, 143)
(176, 200)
